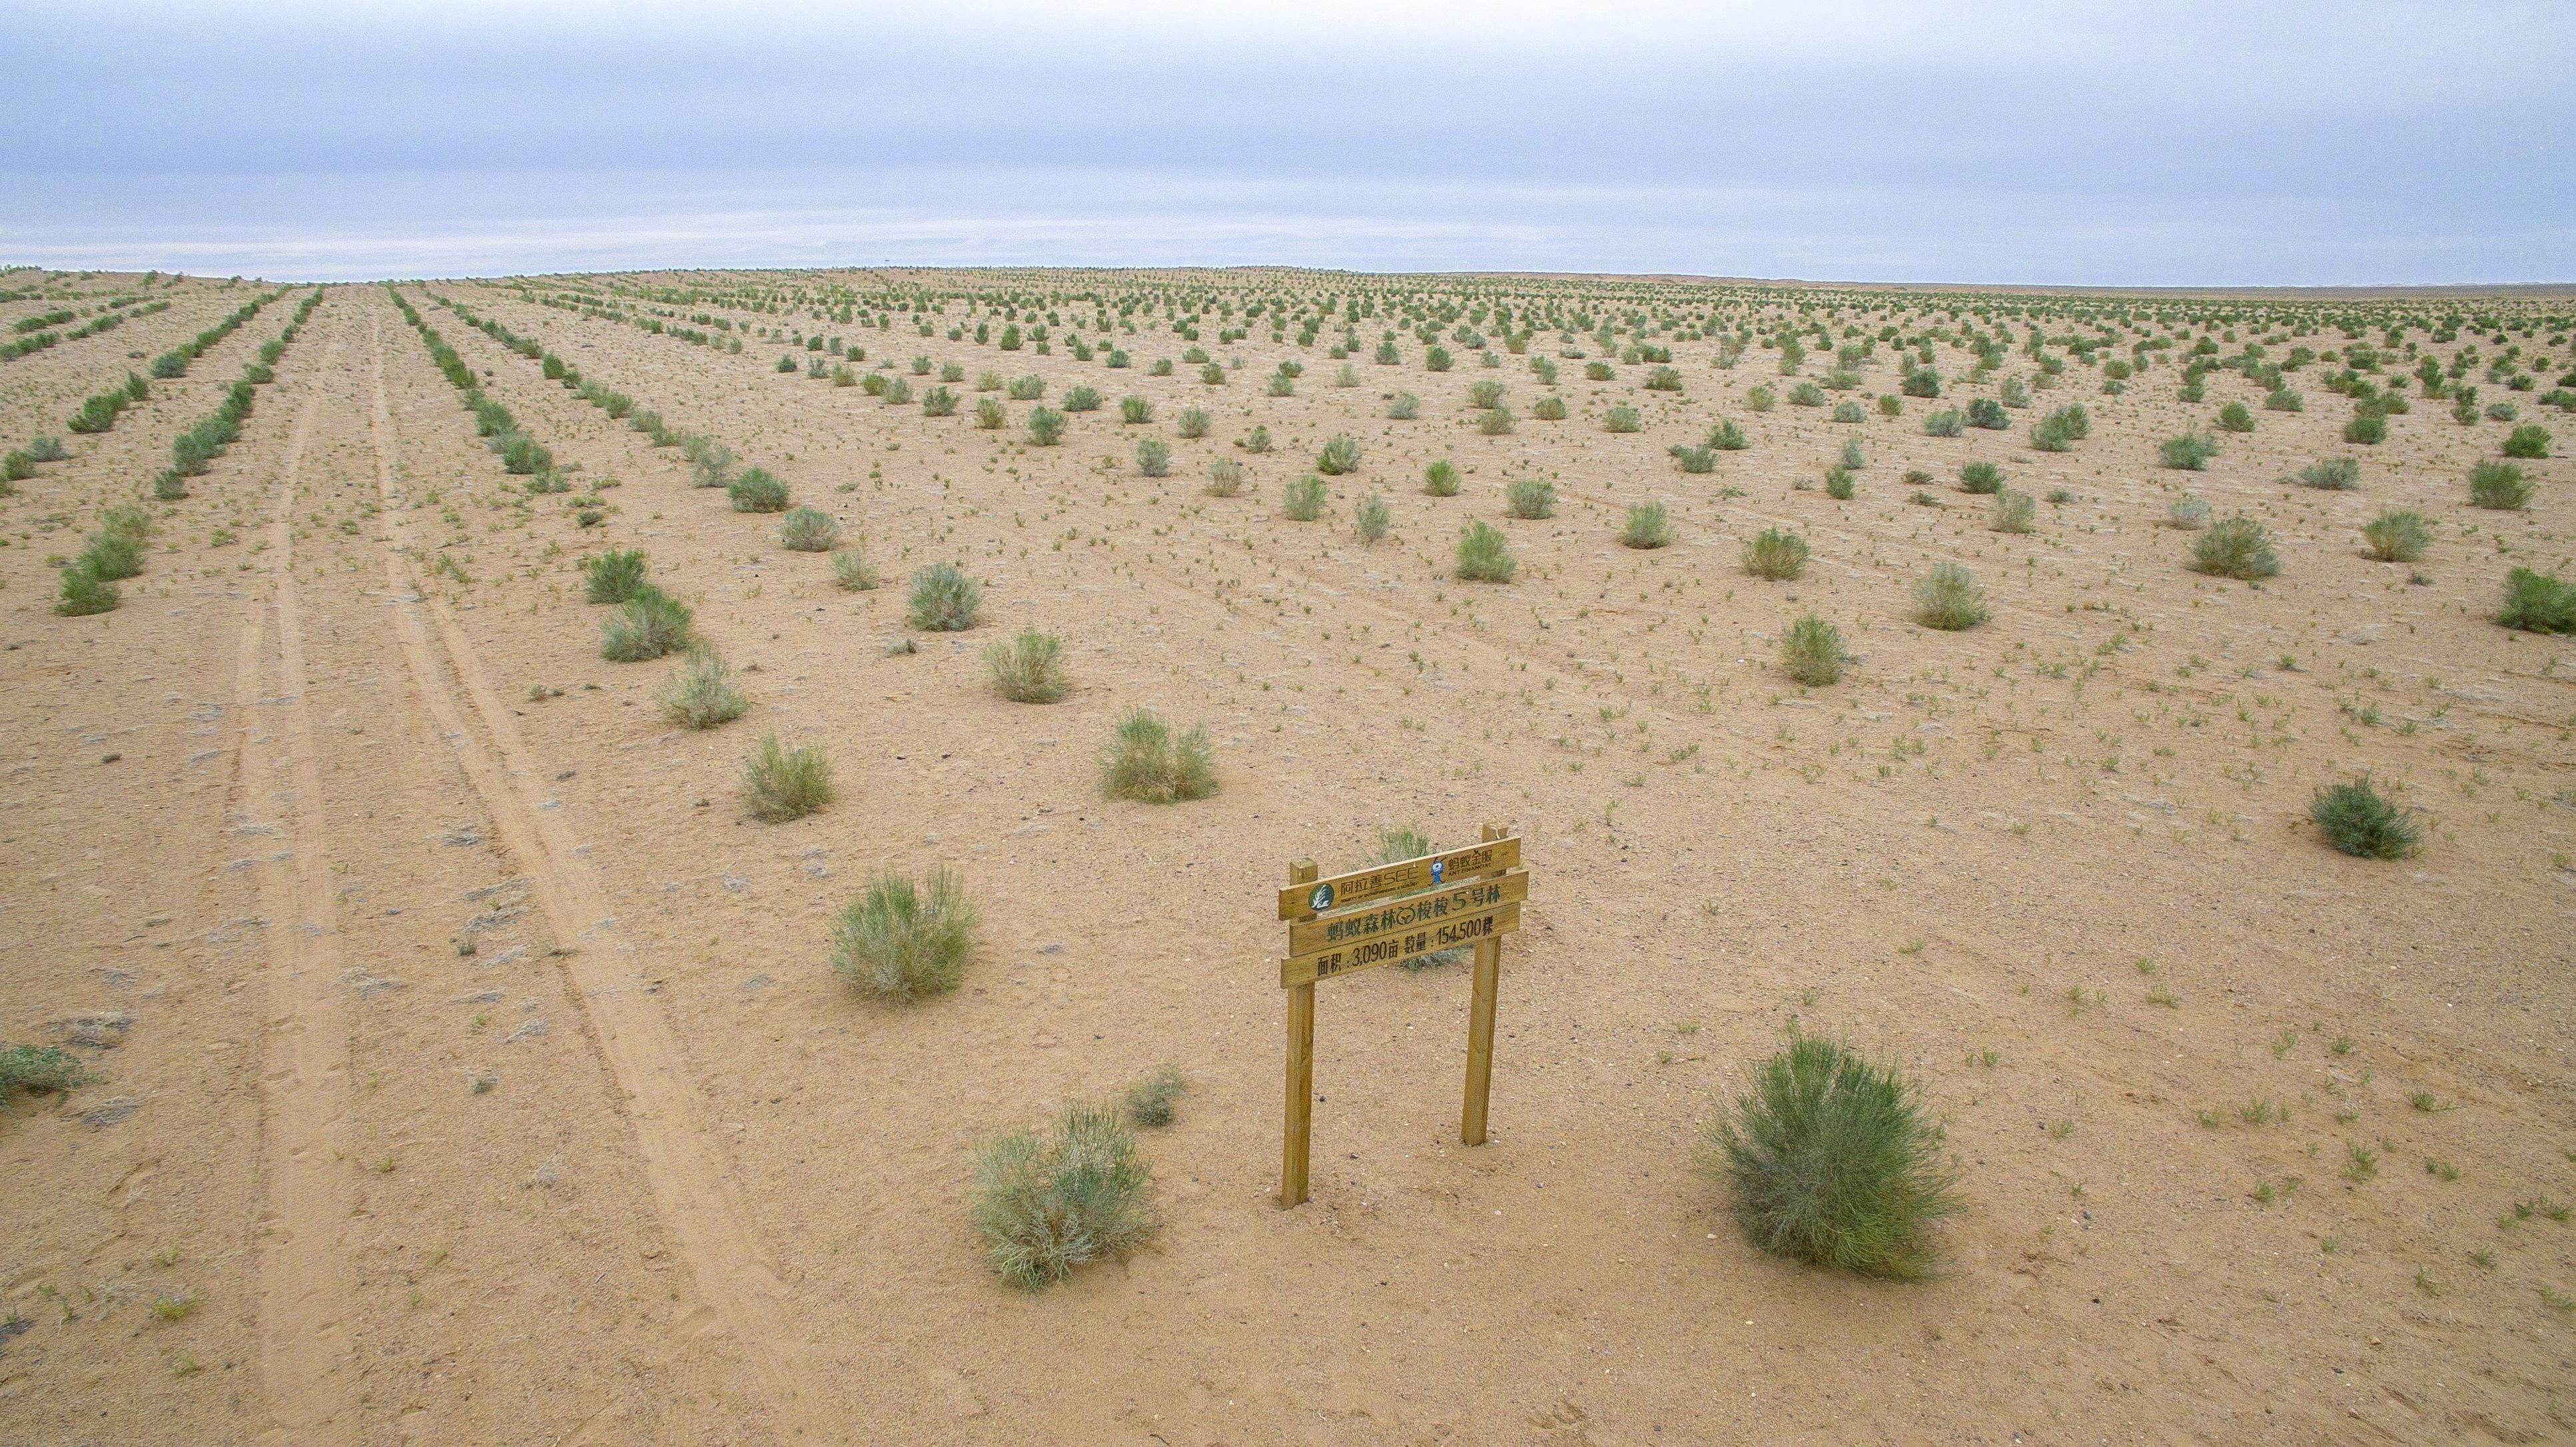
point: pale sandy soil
(715, 1197)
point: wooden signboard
(1380, 916)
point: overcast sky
(2172, 143)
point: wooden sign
(1380, 916)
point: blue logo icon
(1439, 870)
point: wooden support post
(1480, 1029)
(1298, 1123)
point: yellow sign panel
(1354, 926)
(1409, 876)
(1389, 948)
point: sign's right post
(1480, 1028)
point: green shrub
(2531, 440)
(2235, 547)
(83, 592)
(1550, 408)
(780, 783)
(809, 530)
(1046, 1204)
(755, 490)
(113, 556)
(1149, 763)
(1029, 668)
(1727, 437)
(990, 415)
(1838, 483)
(897, 392)
(1440, 479)
(2189, 453)
(1831, 1162)
(2013, 512)
(1948, 422)
(1988, 413)
(850, 569)
(1495, 422)
(901, 942)
(2537, 602)
(1649, 526)
(2060, 430)
(2188, 513)
(1081, 399)
(1193, 422)
(46, 449)
(2333, 474)
(1149, 1101)
(944, 600)
(1484, 554)
(1621, 418)
(1811, 651)
(1484, 393)
(16, 467)
(1947, 598)
(701, 694)
(1694, 460)
(939, 402)
(1370, 517)
(2358, 820)
(2235, 418)
(2397, 536)
(2367, 429)
(1135, 409)
(1396, 844)
(2282, 399)
(45, 1069)
(1530, 498)
(1982, 478)
(1341, 454)
(2498, 485)
(1302, 500)
(1027, 389)
(612, 576)
(1760, 399)
(1776, 554)
(648, 625)
(1225, 477)
(1046, 426)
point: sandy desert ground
(465, 1067)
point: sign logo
(1439, 870)
(1321, 899)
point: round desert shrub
(1649, 526)
(1948, 422)
(1403, 407)
(1046, 1204)
(1046, 426)
(990, 415)
(755, 490)
(2234, 417)
(1494, 422)
(1135, 409)
(2188, 513)
(612, 576)
(943, 600)
(2531, 440)
(808, 530)
(1947, 598)
(1370, 517)
(2534, 602)
(1081, 399)
(1838, 483)
(1153, 457)
(1029, 668)
(1302, 500)
(2013, 512)
(1621, 418)
(83, 592)
(1550, 408)
(780, 783)
(2236, 547)
(649, 624)
(2189, 453)
(2358, 820)
(701, 694)
(1530, 498)
(2332, 474)
(2498, 485)
(1440, 479)
(850, 569)
(898, 941)
(1149, 1101)
(1149, 763)
(1193, 422)
(1811, 651)
(1694, 460)
(1484, 554)
(2397, 536)
(1225, 477)
(1982, 478)
(1830, 1161)
(2367, 429)
(1727, 437)
(1341, 454)
(1776, 554)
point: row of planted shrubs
(195, 450)
(38, 339)
(521, 454)
(174, 362)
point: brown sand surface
(342, 812)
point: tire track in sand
(736, 1287)
(305, 1378)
